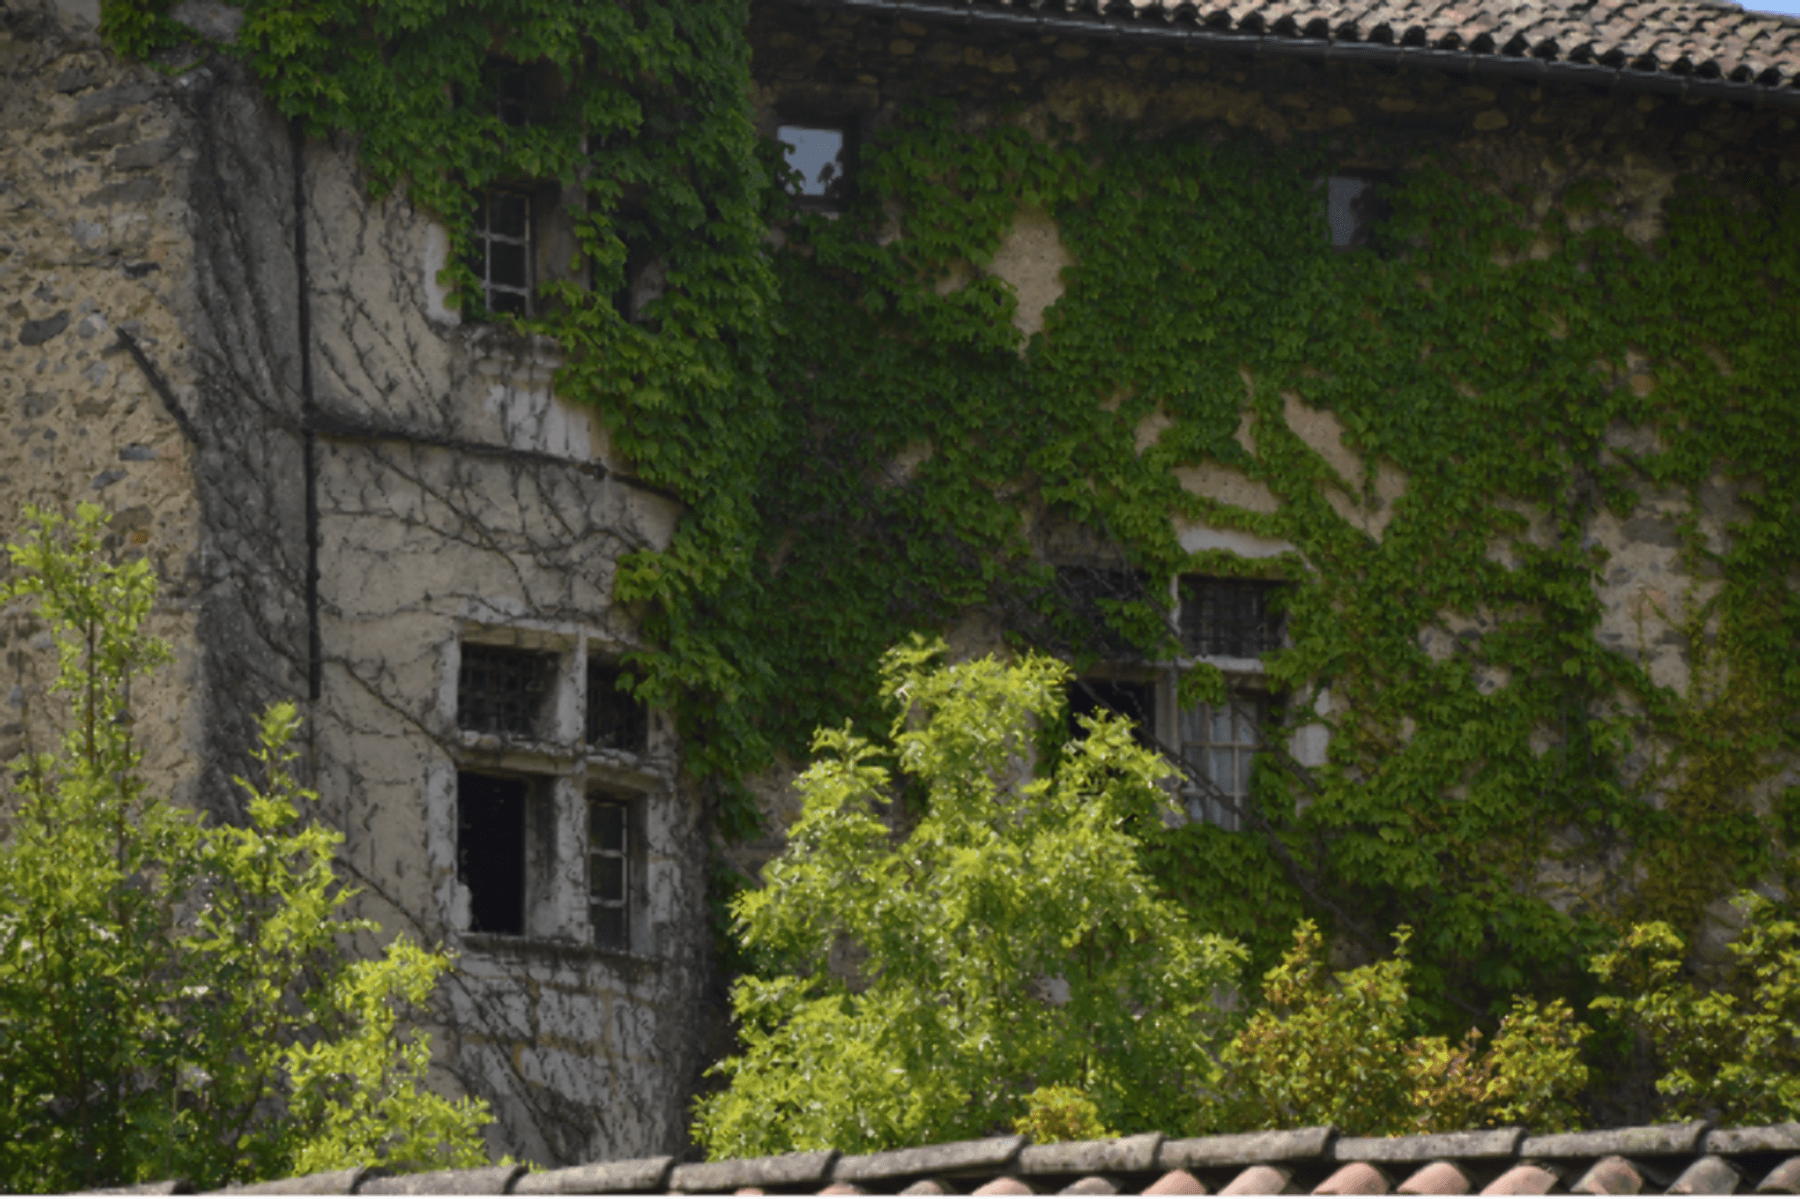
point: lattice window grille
(1229, 618)
(503, 690)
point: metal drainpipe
(308, 413)
(1460, 62)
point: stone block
(1437, 1178)
(1006, 1184)
(1176, 1182)
(483, 1180)
(1525, 1179)
(1245, 1148)
(1769, 1138)
(1126, 1155)
(1651, 1140)
(955, 1157)
(927, 1186)
(637, 1176)
(787, 1170)
(1261, 1180)
(1357, 1178)
(1782, 1180)
(1429, 1147)
(1093, 1184)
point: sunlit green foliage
(1008, 937)
(1344, 1050)
(1060, 1113)
(1490, 356)
(174, 1001)
(1730, 1053)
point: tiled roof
(1672, 1159)
(1697, 46)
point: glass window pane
(818, 154)
(506, 265)
(608, 879)
(606, 826)
(609, 928)
(1220, 770)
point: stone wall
(212, 330)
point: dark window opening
(1097, 596)
(821, 152)
(1219, 744)
(1229, 618)
(1136, 701)
(500, 255)
(490, 851)
(1356, 208)
(615, 719)
(504, 690)
(511, 84)
(609, 872)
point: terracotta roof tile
(1438, 1178)
(1714, 38)
(1523, 1179)
(1609, 1176)
(1357, 1178)
(1707, 1176)
(1686, 1159)
(1176, 1182)
(1782, 1180)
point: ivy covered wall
(1530, 455)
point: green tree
(1730, 1053)
(174, 997)
(995, 930)
(1342, 1050)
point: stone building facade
(355, 499)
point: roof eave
(1467, 63)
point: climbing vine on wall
(863, 443)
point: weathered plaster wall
(312, 389)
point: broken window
(820, 151)
(1219, 742)
(1229, 618)
(504, 690)
(615, 719)
(490, 850)
(609, 872)
(1356, 207)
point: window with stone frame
(568, 777)
(506, 690)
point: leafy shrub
(1730, 1054)
(1060, 1113)
(174, 1001)
(1341, 1050)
